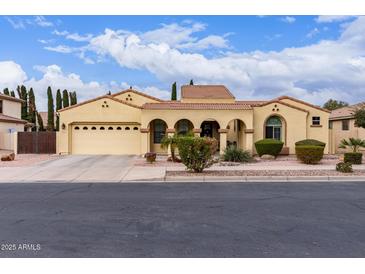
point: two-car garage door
(105, 139)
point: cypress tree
(58, 107)
(24, 96)
(40, 122)
(32, 109)
(173, 92)
(73, 99)
(50, 123)
(18, 91)
(6, 91)
(65, 99)
(191, 82)
(12, 93)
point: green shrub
(268, 146)
(197, 153)
(234, 154)
(354, 158)
(310, 142)
(344, 167)
(309, 154)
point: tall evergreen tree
(12, 93)
(50, 123)
(191, 82)
(32, 109)
(173, 92)
(6, 91)
(58, 107)
(65, 98)
(40, 122)
(73, 98)
(24, 97)
(18, 91)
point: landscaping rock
(267, 157)
(8, 157)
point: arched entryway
(275, 128)
(236, 133)
(210, 128)
(157, 129)
(183, 127)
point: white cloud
(60, 49)
(21, 23)
(312, 33)
(73, 36)
(288, 19)
(211, 41)
(332, 18)
(11, 74)
(42, 22)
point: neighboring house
(131, 122)
(10, 119)
(342, 126)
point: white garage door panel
(105, 141)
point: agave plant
(354, 143)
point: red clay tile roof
(302, 102)
(345, 112)
(9, 119)
(206, 92)
(139, 93)
(205, 106)
(10, 98)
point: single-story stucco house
(342, 126)
(131, 122)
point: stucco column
(197, 132)
(145, 140)
(249, 140)
(222, 140)
(170, 133)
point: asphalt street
(182, 220)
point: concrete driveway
(110, 168)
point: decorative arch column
(249, 139)
(145, 140)
(222, 139)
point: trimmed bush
(310, 142)
(309, 154)
(268, 146)
(354, 158)
(344, 167)
(234, 154)
(197, 153)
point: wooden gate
(42, 142)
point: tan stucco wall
(318, 133)
(12, 108)
(295, 125)
(135, 98)
(338, 134)
(116, 113)
(4, 127)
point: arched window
(77, 128)
(93, 128)
(127, 128)
(135, 128)
(159, 129)
(110, 128)
(273, 128)
(85, 128)
(119, 128)
(102, 128)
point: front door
(207, 129)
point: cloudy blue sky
(310, 57)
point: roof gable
(137, 92)
(302, 102)
(10, 98)
(283, 103)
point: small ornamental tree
(173, 92)
(359, 116)
(334, 104)
(65, 99)
(50, 123)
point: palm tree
(172, 142)
(354, 143)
